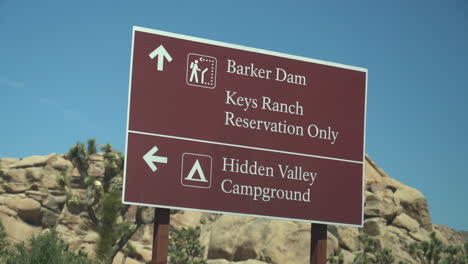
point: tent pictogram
(196, 169)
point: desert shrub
(435, 252)
(3, 241)
(184, 246)
(46, 248)
(336, 257)
(372, 252)
(63, 180)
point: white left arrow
(162, 54)
(150, 159)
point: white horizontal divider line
(245, 147)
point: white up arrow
(161, 53)
(150, 159)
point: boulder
(96, 169)
(7, 211)
(96, 165)
(73, 221)
(144, 234)
(33, 161)
(55, 203)
(332, 243)
(450, 236)
(36, 195)
(28, 209)
(49, 218)
(375, 226)
(381, 204)
(146, 215)
(57, 192)
(6, 163)
(238, 238)
(72, 238)
(15, 175)
(374, 188)
(17, 187)
(59, 163)
(414, 205)
(186, 219)
(420, 235)
(396, 238)
(348, 256)
(49, 179)
(17, 230)
(406, 222)
(347, 236)
(143, 252)
(223, 236)
(373, 173)
(34, 173)
(98, 157)
(376, 175)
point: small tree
(372, 253)
(435, 252)
(184, 246)
(103, 199)
(79, 158)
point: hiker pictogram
(201, 70)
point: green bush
(75, 204)
(184, 246)
(46, 248)
(336, 257)
(435, 252)
(372, 252)
(3, 241)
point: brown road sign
(224, 128)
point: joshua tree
(105, 209)
(372, 253)
(435, 252)
(103, 199)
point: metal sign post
(318, 244)
(161, 236)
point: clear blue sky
(64, 73)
